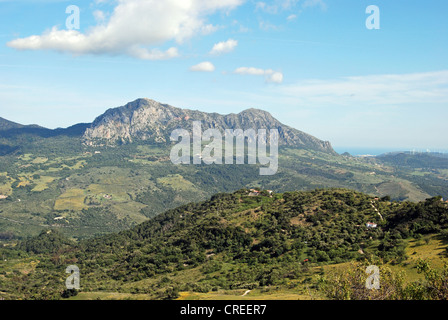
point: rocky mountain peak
(146, 119)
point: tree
(67, 293)
(435, 286)
(350, 284)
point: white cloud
(208, 29)
(99, 16)
(251, 71)
(153, 54)
(135, 27)
(205, 66)
(276, 77)
(269, 74)
(264, 7)
(276, 6)
(291, 17)
(314, 3)
(372, 90)
(224, 47)
(266, 26)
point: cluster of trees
(48, 241)
(351, 284)
(7, 235)
(409, 219)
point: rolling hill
(233, 243)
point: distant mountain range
(6, 125)
(149, 120)
(10, 129)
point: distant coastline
(359, 151)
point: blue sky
(313, 64)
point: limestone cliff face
(142, 119)
(146, 119)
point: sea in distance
(364, 151)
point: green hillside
(90, 191)
(269, 246)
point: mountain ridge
(147, 119)
(10, 125)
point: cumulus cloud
(224, 47)
(205, 66)
(135, 28)
(269, 74)
(276, 77)
(251, 71)
(153, 54)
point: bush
(67, 293)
